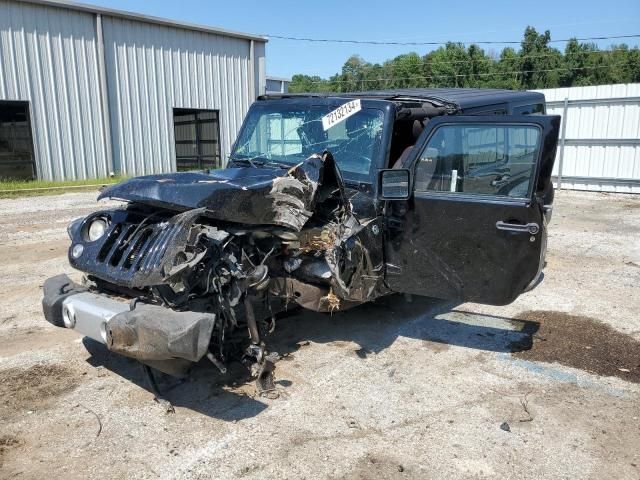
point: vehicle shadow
(206, 391)
(371, 327)
(375, 326)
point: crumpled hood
(264, 195)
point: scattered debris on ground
(34, 387)
(7, 442)
(582, 342)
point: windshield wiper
(244, 161)
(256, 162)
(278, 164)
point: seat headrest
(417, 129)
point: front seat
(405, 154)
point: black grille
(135, 252)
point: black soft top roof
(462, 97)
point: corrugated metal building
(86, 91)
(599, 147)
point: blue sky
(392, 20)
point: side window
(479, 159)
(535, 109)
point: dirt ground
(405, 388)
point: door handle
(500, 180)
(531, 228)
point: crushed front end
(173, 276)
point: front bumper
(149, 333)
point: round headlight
(97, 229)
(77, 250)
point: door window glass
(479, 159)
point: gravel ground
(398, 389)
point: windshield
(288, 134)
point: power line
(486, 42)
(462, 75)
(522, 57)
(495, 61)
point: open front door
(474, 226)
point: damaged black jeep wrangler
(327, 201)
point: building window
(16, 143)
(197, 135)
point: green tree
(352, 77)
(623, 64)
(447, 66)
(541, 65)
(479, 67)
(305, 83)
(406, 71)
(535, 65)
(506, 70)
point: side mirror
(395, 184)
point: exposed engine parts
(209, 287)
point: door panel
(474, 228)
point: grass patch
(28, 188)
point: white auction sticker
(341, 113)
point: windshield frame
(330, 103)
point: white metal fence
(599, 146)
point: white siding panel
(48, 57)
(152, 69)
(608, 120)
(260, 71)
